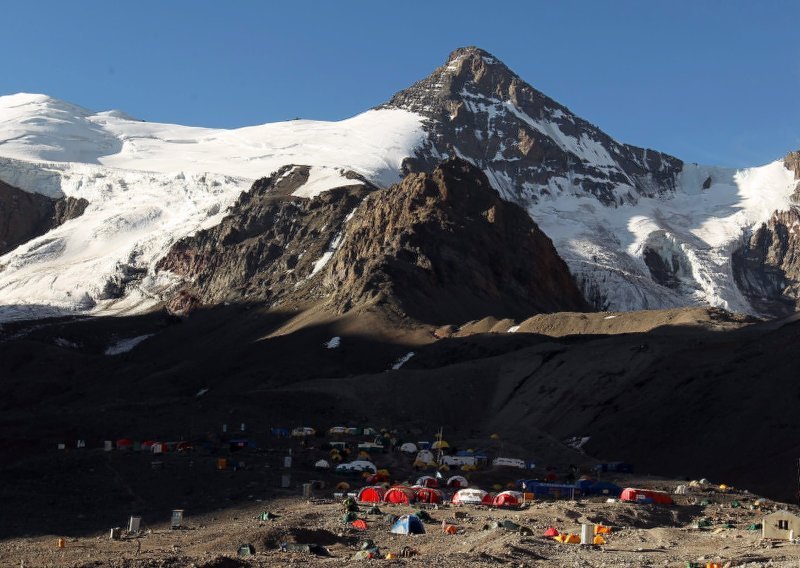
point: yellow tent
(440, 445)
(598, 540)
(495, 436)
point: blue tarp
(408, 524)
(280, 432)
(541, 489)
(594, 487)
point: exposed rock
(767, 266)
(445, 248)
(528, 144)
(25, 216)
(267, 246)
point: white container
(133, 524)
(307, 490)
(287, 462)
(586, 534)
(177, 519)
(108, 445)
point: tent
(457, 482)
(408, 524)
(551, 532)
(303, 431)
(322, 464)
(408, 448)
(469, 497)
(645, 496)
(426, 457)
(279, 432)
(427, 481)
(440, 445)
(508, 499)
(428, 495)
(400, 494)
(371, 494)
(337, 431)
(124, 444)
(381, 475)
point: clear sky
(711, 82)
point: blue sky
(711, 82)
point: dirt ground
(643, 535)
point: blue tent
(280, 432)
(408, 524)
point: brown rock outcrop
(445, 248)
(25, 215)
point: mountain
(440, 248)
(638, 229)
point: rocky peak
(443, 247)
(529, 146)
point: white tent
(409, 448)
(426, 457)
(322, 464)
(469, 497)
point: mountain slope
(639, 229)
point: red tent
(646, 496)
(428, 495)
(371, 494)
(508, 499)
(124, 444)
(551, 532)
(399, 495)
(457, 482)
(488, 499)
(427, 481)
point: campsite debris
(307, 548)
(360, 524)
(349, 504)
(115, 534)
(374, 510)
(267, 516)
(349, 517)
(408, 552)
(366, 544)
(60, 543)
(246, 550)
(424, 516)
(448, 528)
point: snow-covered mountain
(149, 185)
(637, 228)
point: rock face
(528, 144)
(767, 266)
(445, 248)
(24, 215)
(267, 246)
(439, 248)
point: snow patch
(402, 360)
(322, 179)
(126, 345)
